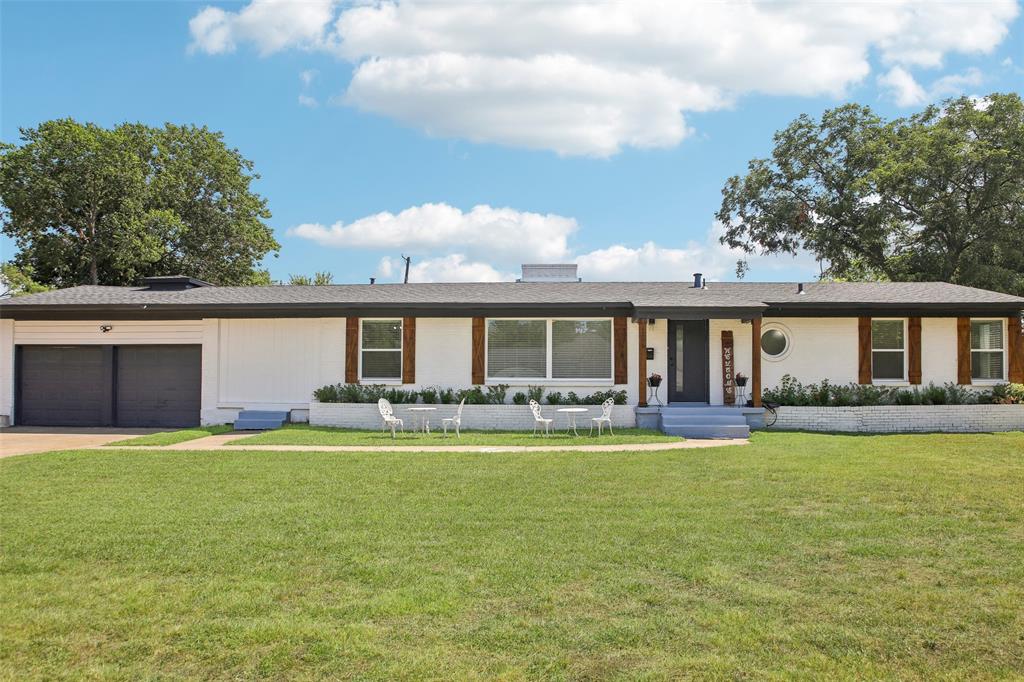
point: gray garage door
(65, 386)
(109, 385)
(158, 385)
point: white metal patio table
(424, 414)
(570, 413)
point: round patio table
(424, 414)
(571, 413)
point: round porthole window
(774, 343)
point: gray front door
(688, 361)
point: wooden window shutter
(914, 349)
(479, 360)
(963, 350)
(351, 350)
(1016, 349)
(409, 350)
(864, 350)
(619, 354)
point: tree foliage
(15, 281)
(318, 279)
(938, 195)
(91, 205)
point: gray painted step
(702, 420)
(704, 411)
(712, 431)
(263, 414)
(259, 420)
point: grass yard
(304, 434)
(172, 437)
(801, 555)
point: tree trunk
(94, 272)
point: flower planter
(903, 418)
(478, 417)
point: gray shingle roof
(635, 294)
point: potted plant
(654, 380)
(741, 379)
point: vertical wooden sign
(728, 369)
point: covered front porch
(700, 361)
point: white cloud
(591, 77)
(489, 244)
(307, 101)
(307, 77)
(270, 25)
(451, 268)
(904, 89)
(480, 233)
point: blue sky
(581, 140)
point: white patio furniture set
(540, 422)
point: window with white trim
(888, 350)
(558, 349)
(380, 349)
(988, 350)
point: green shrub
(825, 394)
(358, 393)
(535, 393)
(496, 394)
(555, 398)
(519, 398)
(1003, 394)
(446, 396)
(472, 396)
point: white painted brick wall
(904, 418)
(479, 417)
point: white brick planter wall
(479, 417)
(903, 418)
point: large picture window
(381, 349)
(888, 350)
(988, 350)
(549, 349)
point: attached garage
(92, 385)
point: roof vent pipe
(800, 288)
(698, 280)
(373, 280)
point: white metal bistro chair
(605, 418)
(455, 421)
(387, 414)
(539, 419)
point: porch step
(713, 431)
(703, 421)
(259, 420)
(700, 419)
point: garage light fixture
(105, 328)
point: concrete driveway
(23, 440)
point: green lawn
(806, 556)
(172, 437)
(303, 434)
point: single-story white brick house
(177, 351)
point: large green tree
(92, 205)
(938, 195)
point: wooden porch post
(755, 361)
(641, 341)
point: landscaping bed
(799, 556)
(305, 434)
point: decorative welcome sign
(728, 369)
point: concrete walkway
(23, 440)
(220, 442)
